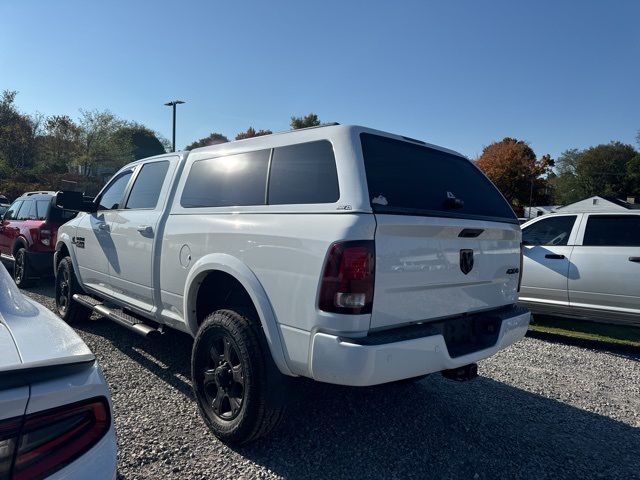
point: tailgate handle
(554, 256)
(634, 259)
(470, 232)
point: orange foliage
(512, 166)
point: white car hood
(32, 336)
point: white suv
(340, 253)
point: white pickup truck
(339, 253)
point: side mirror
(74, 201)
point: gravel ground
(539, 410)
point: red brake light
(47, 441)
(9, 430)
(347, 281)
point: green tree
(251, 132)
(565, 182)
(633, 176)
(512, 166)
(600, 170)
(59, 145)
(100, 146)
(145, 142)
(211, 139)
(310, 120)
(17, 133)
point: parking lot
(538, 410)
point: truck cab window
(148, 184)
(113, 194)
(550, 231)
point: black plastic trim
(26, 376)
(415, 212)
(463, 334)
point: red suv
(28, 235)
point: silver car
(55, 410)
(583, 265)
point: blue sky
(460, 74)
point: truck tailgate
(433, 267)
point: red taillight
(45, 235)
(347, 281)
(45, 442)
(521, 265)
(9, 430)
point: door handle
(145, 229)
(634, 259)
(104, 227)
(554, 256)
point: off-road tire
(66, 286)
(259, 412)
(21, 269)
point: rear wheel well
(19, 243)
(61, 252)
(220, 290)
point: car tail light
(44, 442)
(8, 435)
(347, 280)
(45, 236)
(521, 265)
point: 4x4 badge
(466, 260)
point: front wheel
(230, 374)
(21, 269)
(66, 286)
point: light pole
(173, 104)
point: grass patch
(588, 330)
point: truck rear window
(410, 179)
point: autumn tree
(251, 132)
(211, 139)
(310, 120)
(512, 166)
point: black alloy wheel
(234, 378)
(21, 269)
(66, 286)
(63, 291)
(223, 377)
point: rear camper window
(410, 179)
(304, 173)
(233, 180)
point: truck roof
(309, 134)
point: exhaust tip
(462, 374)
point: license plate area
(470, 333)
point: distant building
(533, 212)
(601, 204)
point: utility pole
(530, 198)
(173, 104)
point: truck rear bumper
(348, 361)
